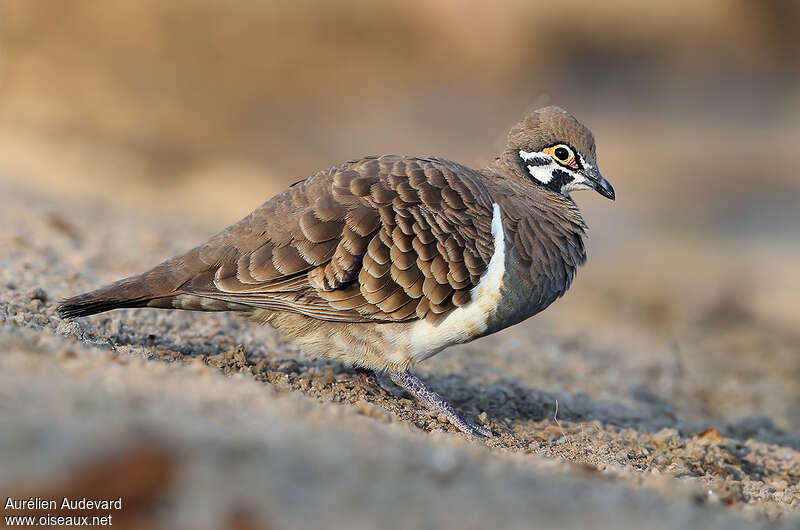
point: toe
(483, 431)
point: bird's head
(554, 150)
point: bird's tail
(155, 288)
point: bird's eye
(563, 154)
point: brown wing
(377, 239)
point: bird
(383, 261)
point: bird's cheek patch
(543, 175)
(538, 165)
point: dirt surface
(213, 422)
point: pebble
(287, 366)
(666, 437)
(37, 293)
(368, 409)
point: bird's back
(376, 239)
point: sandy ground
(614, 409)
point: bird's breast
(530, 286)
(508, 292)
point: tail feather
(154, 288)
(95, 302)
(106, 299)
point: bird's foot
(434, 401)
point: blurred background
(205, 109)
(695, 105)
(181, 117)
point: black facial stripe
(559, 180)
(523, 166)
(538, 161)
(559, 177)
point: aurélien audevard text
(39, 503)
(40, 511)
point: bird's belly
(372, 346)
(461, 325)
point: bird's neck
(509, 173)
(508, 165)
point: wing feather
(378, 239)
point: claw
(483, 431)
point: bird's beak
(601, 185)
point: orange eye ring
(563, 154)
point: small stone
(550, 433)
(666, 437)
(323, 377)
(287, 366)
(37, 293)
(483, 418)
(68, 328)
(371, 411)
(711, 435)
(239, 356)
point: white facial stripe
(541, 168)
(541, 173)
(584, 163)
(534, 156)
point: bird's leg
(378, 383)
(434, 401)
